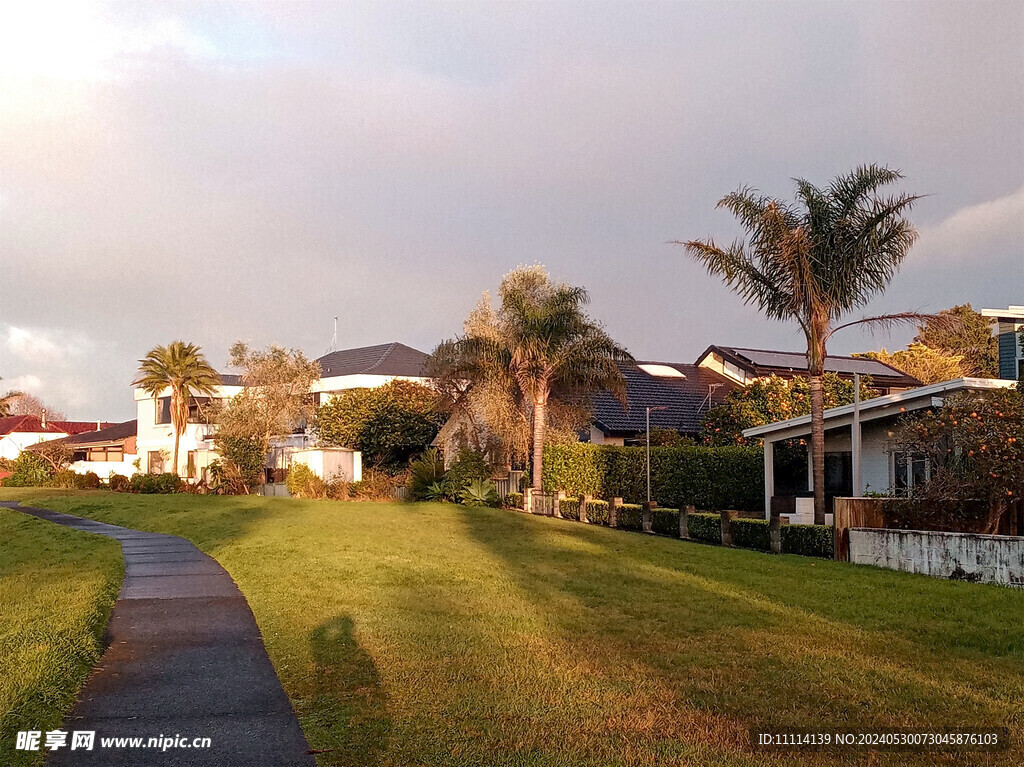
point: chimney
(43, 419)
(98, 425)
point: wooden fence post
(647, 513)
(684, 523)
(613, 511)
(726, 530)
(557, 504)
(584, 500)
(775, 530)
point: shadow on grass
(349, 702)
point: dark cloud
(240, 171)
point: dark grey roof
(685, 400)
(392, 359)
(230, 379)
(761, 361)
(115, 433)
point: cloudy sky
(250, 170)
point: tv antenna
(334, 338)
(707, 399)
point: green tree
(772, 399)
(183, 369)
(538, 348)
(924, 363)
(961, 331)
(389, 424)
(814, 261)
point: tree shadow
(349, 706)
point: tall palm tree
(183, 369)
(814, 261)
(539, 342)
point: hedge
(808, 540)
(704, 477)
(629, 516)
(750, 534)
(705, 527)
(514, 500)
(665, 522)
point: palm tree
(539, 343)
(813, 262)
(183, 369)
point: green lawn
(56, 590)
(435, 634)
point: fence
(957, 556)
(400, 492)
(509, 484)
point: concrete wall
(960, 556)
(332, 462)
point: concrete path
(185, 660)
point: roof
(78, 427)
(764, 362)
(1009, 313)
(685, 399)
(392, 359)
(27, 424)
(230, 379)
(891, 404)
(110, 433)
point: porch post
(769, 477)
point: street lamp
(649, 409)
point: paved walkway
(185, 659)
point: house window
(155, 462)
(200, 409)
(909, 471)
(163, 410)
(106, 454)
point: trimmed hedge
(751, 534)
(665, 522)
(704, 477)
(514, 500)
(809, 540)
(705, 527)
(630, 516)
(156, 484)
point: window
(155, 462)
(909, 471)
(105, 454)
(163, 410)
(200, 409)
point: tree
(538, 352)
(975, 446)
(29, 404)
(389, 424)
(7, 402)
(772, 399)
(274, 402)
(968, 335)
(183, 369)
(814, 262)
(924, 363)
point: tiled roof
(230, 379)
(27, 424)
(685, 400)
(392, 359)
(763, 362)
(109, 433)
(78, 427)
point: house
(18, 432)
(747, 365)
(368, 367)
(882, 468)
(105, 451)
(678, 394)
(1007, 325)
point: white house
(18, 432)
(882, 469)
(106, 451)
(368, 367)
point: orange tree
(975, 445)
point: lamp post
(649, 409)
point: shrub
(751, 534)
(705, 477)
(468, 466)
(302, 482)
(809, 540)
(424, 472)
(570, 508)
(629, 517)
(29, 470)
(245, 458)
(514, 501)
(597, 512)
(119, 483)
(374, 486)
(88, 481)
(705, 527)
(65, 479)
(153, 484)
(665, 522)
(480, 492)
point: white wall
(103, 469)
(12, 444)
(325, 386)
(332, 463)
(959, 556)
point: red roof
(78, 427)
(27, 423)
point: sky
(216, 172)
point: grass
(434, 634)
(56, 590)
